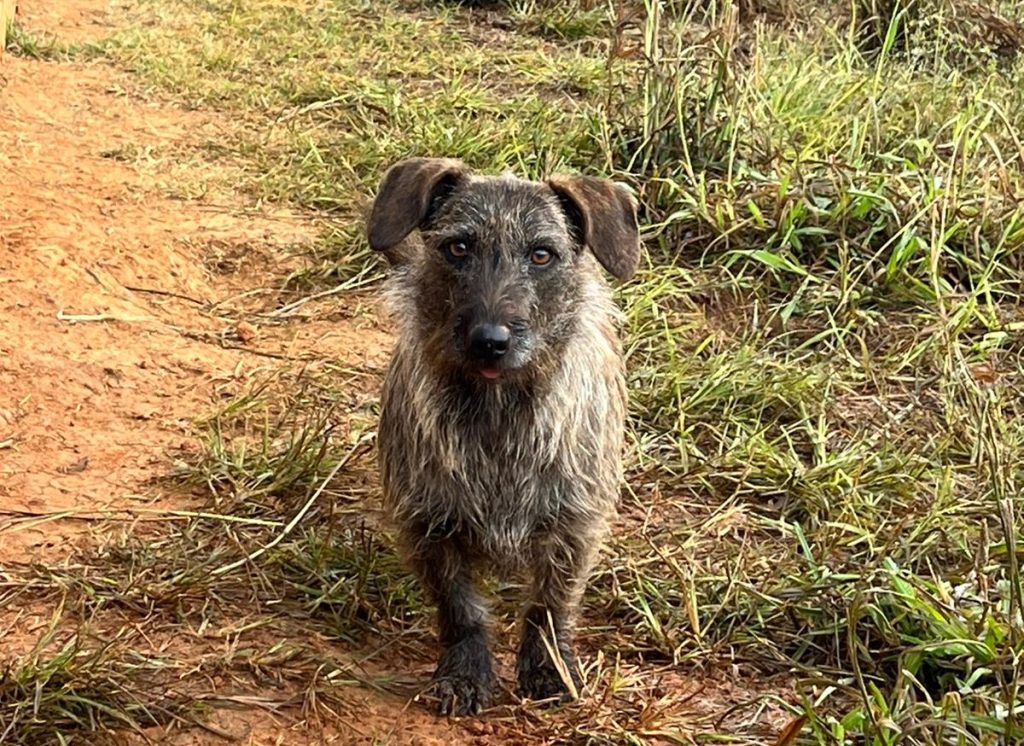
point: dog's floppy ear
(605, 216)
(407, 195)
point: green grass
(86, 682)
(24, 43)
(827, 425)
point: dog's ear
(409, 192)
(604, 214)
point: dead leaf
(791, 731)
(984, 373)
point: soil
(103, 365)
(106, 354)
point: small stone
(246, 332)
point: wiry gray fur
(514, 476)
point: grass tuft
(24, 43)
(75, 684)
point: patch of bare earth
(100, 365)
(107, 351)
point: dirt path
(100, 366)
(105, 354)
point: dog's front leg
(547, 665)
(465, 680)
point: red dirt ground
(100, 369)
(103, 365)
(99, 378)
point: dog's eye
(541, 256)
(456, 251)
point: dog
(502, 412)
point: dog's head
(501, 275)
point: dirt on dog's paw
(464, 682)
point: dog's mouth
(490, 373)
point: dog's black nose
(489, 341)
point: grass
(86, 682)
(825, 347)
(24, 43)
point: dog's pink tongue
(490, 373)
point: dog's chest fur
(498, 465)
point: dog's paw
(464, 682)
(539, 678)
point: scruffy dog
(502, 413)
